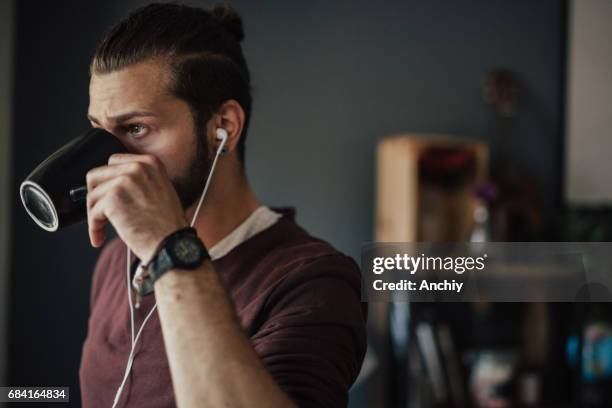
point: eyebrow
(123, 117)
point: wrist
(178, 279)
(157, 240)
(181, 249)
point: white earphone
(222, 137)
(221, 134)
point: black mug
(54, 194)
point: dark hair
(202, 48)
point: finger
(122, 181)
(111, 194)
(120, 158)
(97, 220)
(99, 175)
(146, 159)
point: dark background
(330, 79)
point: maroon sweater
(297, 298)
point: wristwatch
(180, 250)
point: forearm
(211, 361)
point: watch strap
(161, 262)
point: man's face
(135, 105)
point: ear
(230, 116)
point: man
(263, 315)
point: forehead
(138, 86)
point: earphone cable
(129, 289)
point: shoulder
(299, 255)
(313, 260)
(306, 270)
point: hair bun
(229, 18)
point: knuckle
(89, 177)
(115, 193)
(125, 179)
(136, 167)
(151, 158)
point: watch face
(187, 250)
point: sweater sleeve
(314, 339)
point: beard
(189, 187)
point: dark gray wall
(6, 84)
(330, 79)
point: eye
(136, 130)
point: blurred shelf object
(425, 185)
